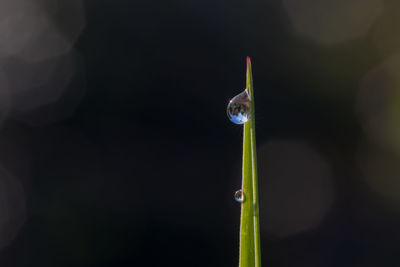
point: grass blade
(250, 255)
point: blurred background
(115, 147)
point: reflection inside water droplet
(239, 108)
(239, 196)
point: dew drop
(239, 196)
(239, 108)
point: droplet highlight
(239, 108)
(239, 196)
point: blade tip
(248, 60)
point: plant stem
(250, 255)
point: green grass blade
(250, 255)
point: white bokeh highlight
(332, 21)
(378, 103)
(38, 60)
(35, 30)
(296, 189)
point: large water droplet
(239, 196)
(239, 108)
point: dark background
(115, 147)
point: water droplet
(239, 108)
(239, 196)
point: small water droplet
(239, 196)
(239, 108)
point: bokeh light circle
(378, 103)
(332, 21)
(296, 190)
